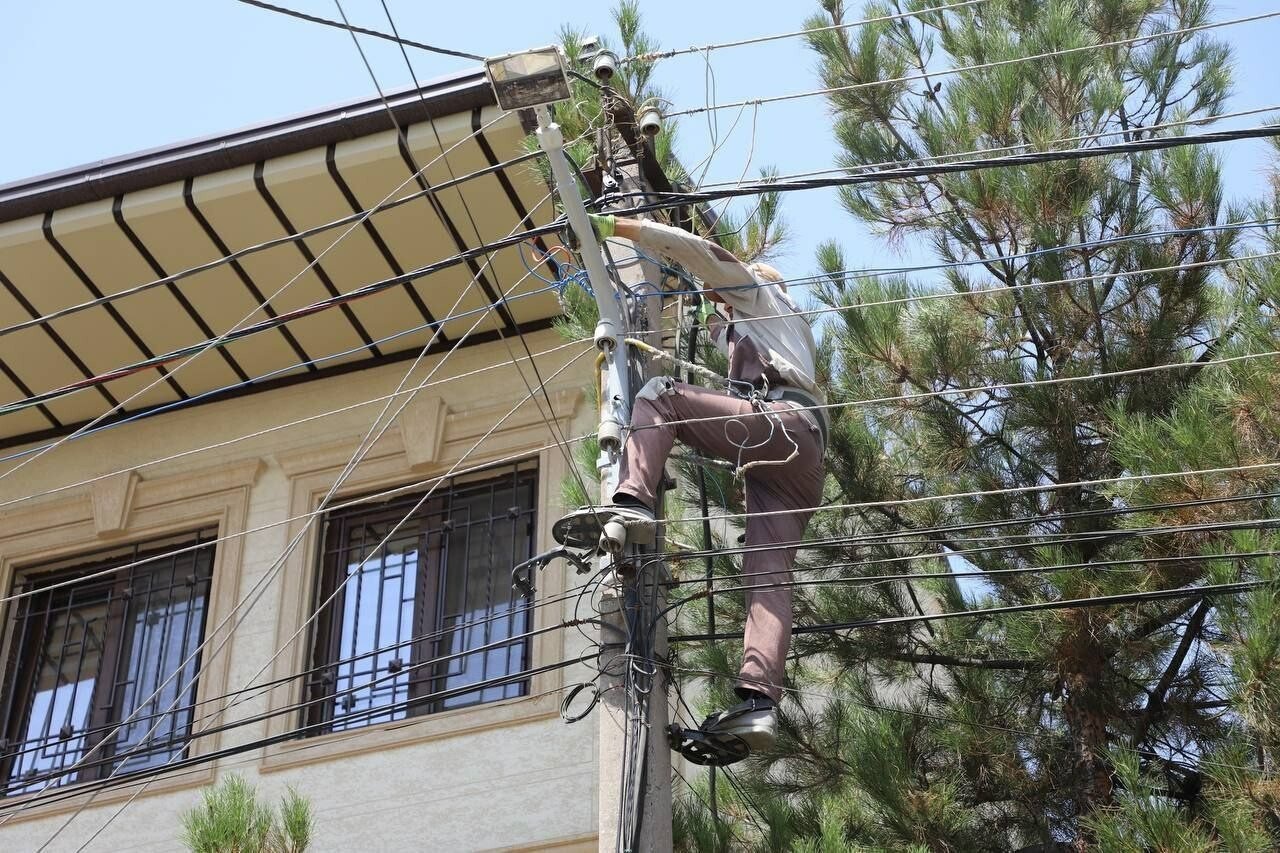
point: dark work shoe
(754, 722)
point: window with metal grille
(408, 626)
(100, 666)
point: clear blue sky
(85, 80)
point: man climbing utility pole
(769, 424)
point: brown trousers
(790, 490)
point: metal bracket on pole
(611, 332)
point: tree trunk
(1086, 716)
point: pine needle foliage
(231, 819)
(1144, 727)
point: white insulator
(613, 538)
(610, 436)
(650, 122)
(606, 334)
(605, 65)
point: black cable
(1066, 604)
(1139, 532)
(674, 199)
(691, 352)
(76, 791)
(880, 537)
(266, 244)
(293, 13)
(136, 750)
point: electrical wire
(1159, 143)
(982, 66)
(1064, 604)
(294, 733)
(987, 389)
(667, 54)
(263, 582)
(677, 200)
(932, 158)
(85, 384)
(793, 282)
(1106, 565)
(280, 562)
(237, 330)
(356, 217)
(420, 484)
(403, 42)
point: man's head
(768, 273)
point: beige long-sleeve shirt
(779, 347)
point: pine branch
(975, 663)
(1156, 702)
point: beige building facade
(187, 594)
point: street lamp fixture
(530, 78)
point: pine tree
(1144, 726)
(231, 819)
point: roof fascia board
(107, 178)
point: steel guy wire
(343, 25)
(982, 66)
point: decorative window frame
(123, 509)
(429, 440)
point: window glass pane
(69, 658)
(431, 611)
(102, 664)
(157, 686)
(377, 598)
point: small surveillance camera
(605, 65)
(650, 119)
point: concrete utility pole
(635, 763)
(635, 766)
